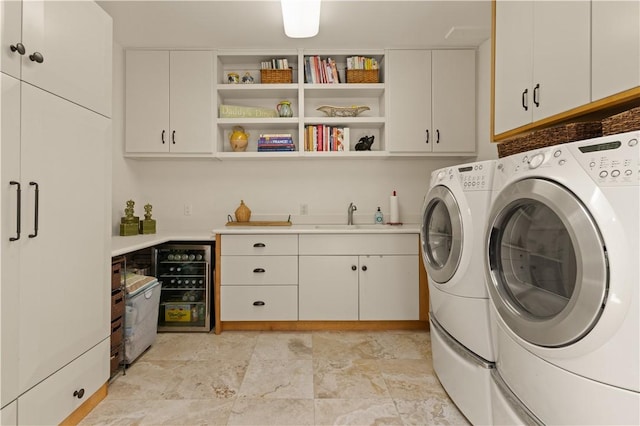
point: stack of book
(361, 63)
(275, 142)
(275, 64)
(320, 71)
(322, 137)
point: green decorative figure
(148, 225)
(129, 223)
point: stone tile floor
(280, 378)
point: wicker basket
(362, 76)
(271, 76)
(621, 123)
(552, 136)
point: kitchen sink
(341, 227)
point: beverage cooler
(185, 273)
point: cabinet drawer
(52, 400)
(359, 244)
(116, 332)
(259, 270)
(116, 274)
(116, 359)
(259, 303)
(246, 245)
(117, 304)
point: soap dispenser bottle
(378, 218)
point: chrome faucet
(352, 208)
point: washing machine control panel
(611, 160)
(476, 176)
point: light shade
(301, 17)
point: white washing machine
(562, 264)
(452, 237)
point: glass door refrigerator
(185, 273)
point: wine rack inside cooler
(184, 273)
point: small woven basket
(362, 76)
(552, 136)
(271, 76)
(621, 123)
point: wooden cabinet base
(322, 325)
(82, 411)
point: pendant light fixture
(301, 17)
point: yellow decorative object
(243, 214)
(239, 139)
(129, 223)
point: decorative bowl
(336, 111)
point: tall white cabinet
(55, 225)
(432, 101)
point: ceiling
(359, 24)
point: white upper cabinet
(40, 44)
(169, 104)
(542, 60)
(432, 101)
(615, 44)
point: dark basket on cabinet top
(275, 76)
(620, 123)
(552, 136)
(362, 76)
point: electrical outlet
(188, 209)
(304, 209)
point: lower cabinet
(259, 303)
(63, 392)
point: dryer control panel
(476, 176)
(610, 160)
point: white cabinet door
(9, 415)
(58, 396)
(10, 37)
(64, 269)
(169, 106)
(409, 91)
(74, 39)
(615, 44)
(389, 288)
(562, 56)
(191, 95)
(453, 90)
(9, 250)
(513, 64)
(328, 288)
(147, 101)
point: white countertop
(122, 245)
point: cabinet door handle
(258, 303)
(37, 57)
(525, 99)
(354, 267)
(536, 95)
(259, 245)
(79, 393)
(427, 141)
(162, 137)
(259, 270)
(437, 135)
(36, 210)
(364, 268)
(18, 47)
(173, 137)
(18, 207)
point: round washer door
(441, 234)
(547, 264)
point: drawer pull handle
(258, 303)
(259, 270)
(364, 268)
(354, 267)
(79, 393)
(259, 245)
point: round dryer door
(548, 272)
(441, 234)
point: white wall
(272, 189)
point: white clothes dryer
(562, 265)
(452, 238)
